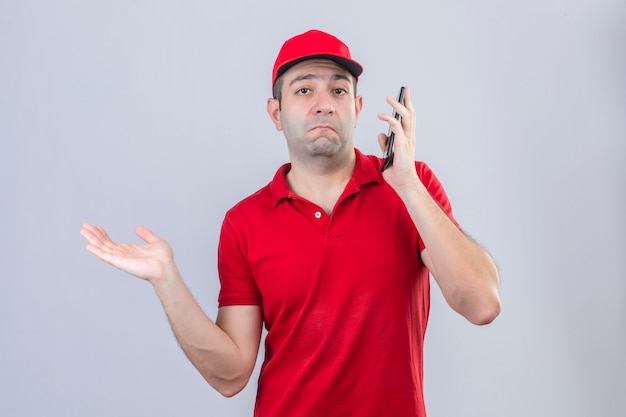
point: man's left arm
(464, 271)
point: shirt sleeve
(435, 189)
(237, 284)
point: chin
(324, 148)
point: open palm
(148, 261)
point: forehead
(318, 67)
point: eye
(303, 91)
(340, 91)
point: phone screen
(388, 155)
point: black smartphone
(388, 155)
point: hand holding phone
(388, 155)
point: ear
(273, 109)
(358, 106)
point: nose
(324, 103)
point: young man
(333, 256)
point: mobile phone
(388, 155)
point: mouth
(322, 127)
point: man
(333, 256)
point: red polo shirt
(345, 297)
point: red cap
(310, 45)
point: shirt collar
(366, 170)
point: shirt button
(318, 214)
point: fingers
(405, 110)
(98, 240)
(99, 252)
(145, 234)
(104, 234)
(396, 126)
(96, 236)
(410, 119)
(407, 100)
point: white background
(153, 112)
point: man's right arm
(224, 352)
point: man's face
(318, 109)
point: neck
(323, 182)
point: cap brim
(352, 66)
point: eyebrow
(314, 76)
